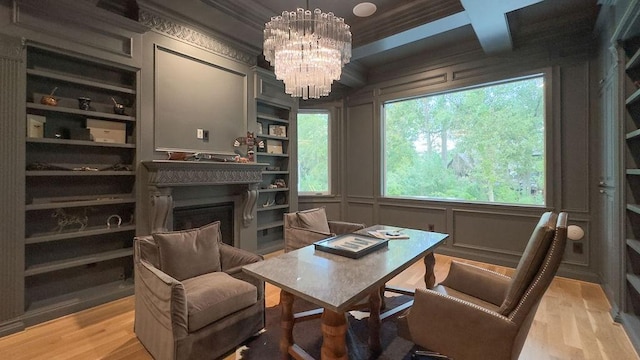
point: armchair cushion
(189, 253)
(297, 237)
(478, 282)
(212, 296)
(314, 219)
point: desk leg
(374, 322)
(286, 323)
(334, 330)
(429, 274)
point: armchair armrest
(296, 237)
(481, 283)
(232, 258)
(343, 227)
(163, 297)
(437, 321)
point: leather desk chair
(479, 314)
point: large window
(484, 144)
(313, 152)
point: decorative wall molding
(170, 28)
(10, 48)
(163, 173)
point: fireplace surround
(179, 185)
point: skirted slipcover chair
(479, 314)
(192, 300)
(305, 227)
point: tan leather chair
(479, 314)
(192, 299)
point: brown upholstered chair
(192, 300)
(479, 314)
(305, 227)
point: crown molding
(170, 27)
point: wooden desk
(336, 282)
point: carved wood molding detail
(168, 27)
(166, 174)
(193, 173)
(10, 48)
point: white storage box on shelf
(107, 131)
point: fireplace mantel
(164, 175)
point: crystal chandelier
(307, 50)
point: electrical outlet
(199, 133)
(577, 247)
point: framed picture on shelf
(274, 147)
(278, 130)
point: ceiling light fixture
(307, 50)
(364, 9)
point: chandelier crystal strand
(307, 50)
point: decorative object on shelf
(259, 128)
(280, 183)
(251, 142)
(269, 203)
(114, 220)
(69, 219)
(307, 50)
(84, 103)
(107, 131)
(273, 168)
(281, 198)
(36, 125)
(117, 107)
(274, 147)
(278, 130)
(49, 99)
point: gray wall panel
(359, 152)
(575, 137)
(504, 232)
(415, 217)
(360, 212)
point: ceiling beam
(489, 21)
(408, 36)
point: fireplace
(196, 216)
(187, 194)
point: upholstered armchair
(479, 314)
(305, 227)
(192, 300)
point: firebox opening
(196, 216)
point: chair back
(542, 275)
(532, 257)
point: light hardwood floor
(572, 322)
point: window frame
(550, 157)
(329, 190)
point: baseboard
(11, 327)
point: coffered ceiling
(403, 28)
